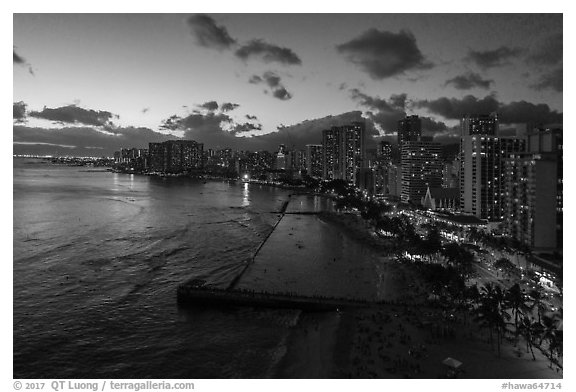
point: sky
(92, 83)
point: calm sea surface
(98, 257)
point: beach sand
(335, 255)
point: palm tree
(538, 303)
(515, 300)
(492, 313)
(529, 329)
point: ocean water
(98, 257)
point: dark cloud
(208, 33)
(454, 108)
(310, 131)
(395, 104)
(384, 113)
(251, 117)
(82, 141)
(269, 53)
(494, 58)
(73, 114)
(274, 82)
(508, 113)
(210, 105)
(246, 127)
(552, 80)
(282, 93)
(549, 52)
(18, 59)
(228, 106)
(383, 54)
(522, 111)
(468, 81)
(19, 111)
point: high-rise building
(366, 181)
(481, 174)
(384, 153)
(421, 168)
(409, 129)
(175, 156)
(314, 160)
(343, 151)
(534, 192)
(479, 124)
(282, 158)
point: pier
(194, 293)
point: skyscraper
(481, 174)
(421, 168)
(314, 160)
(343, 151)
(479, 124)
(409, 129)
(175, 156)
(534, 192)
(384, 153)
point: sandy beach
(333, 254)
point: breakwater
(251, 260)
(192, 294)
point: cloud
(383, 54)
(508, 113)
(454, 108)
(228, 106)
(552, 80)
(549, 52)
(274, 82)
(208, 34)
(19, 111)
(251, 117)
(494, 58)
(268, 53)
(18, 59)
(281, 93)
(210, 105)
(82, 141)
(469, 81)
(73, 114)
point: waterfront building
(175, 156)
(409, 129)
(343, 151)
(421, 168)
(534, 192)
(314, 160)
(282, 158)
(481, 174)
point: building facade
(421, 168)
(343, 150)
(314, 160)
(534, 192)
(175, 156)
(409, 129)
(481, 174)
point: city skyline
(111, 81)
